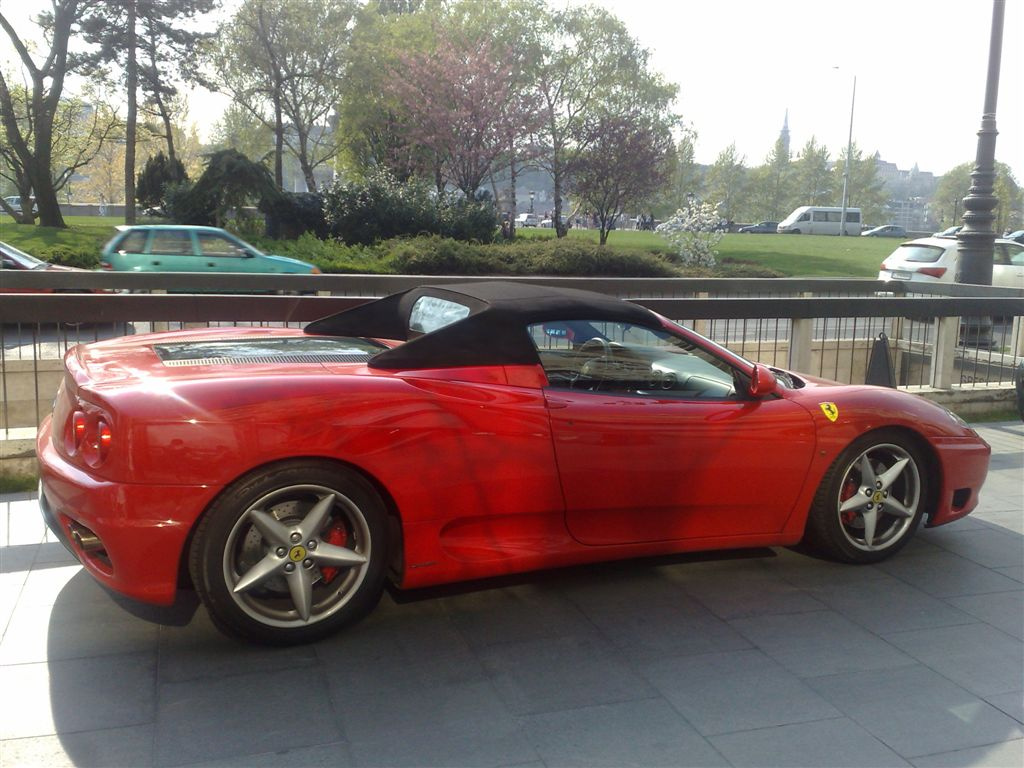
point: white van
(819, 220)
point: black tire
(302, 537)
(870, 501)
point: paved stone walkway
(772, 659)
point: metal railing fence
(940, 336)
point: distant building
(784, 133)
(909, 194)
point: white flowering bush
(694, 232)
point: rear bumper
(140, 530)
(964, 463)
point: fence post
(801, 333)
(947, 329)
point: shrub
(694, 233)
(158, 172)
(380, 208)
(183, 204)
(444, 256)
(289, 215)
(83, 257)
(576, 257)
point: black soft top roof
(494, 332)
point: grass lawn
(790, 255)
(82, 232)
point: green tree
(237, 129)
(864, 189)
(771, 185)
(284, 61)
(151, 46)
(589, 67)
(726, 183)
(626, 162)
(686, 180)
(948, 206)
(82, 131)
(813, 181)
(158, 172)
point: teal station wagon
(179, 248)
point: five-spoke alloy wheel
(871, 500)
(292, 553)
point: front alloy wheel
(870, 501)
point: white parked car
(935, 259)
(528, 220)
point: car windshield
(919, 253)
(22, 259)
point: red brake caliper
(849, 489)
(337, 536)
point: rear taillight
(932, 271)
(106, 265)
(89, 436)
(78, 427)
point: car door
(1008, 266)
(170, 250)
(221, 254)
(654, 456)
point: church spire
(784, 133)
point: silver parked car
(935, 259)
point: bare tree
(283, 61)
(29, 130)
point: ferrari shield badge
(830, 410)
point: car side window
(172, 242)
(211, 244)
(133, 242)
(1015, 255)
(623, 358)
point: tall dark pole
(977, 236)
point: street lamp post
(532, 193)
(846, 170)
(977, 237)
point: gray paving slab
(839, 743)
(916, 711)
(593, 736)
(980, 658)
(564, 673)
(459, 724)
(130, 747)
(820, 643)
(78, 695)
(1006, 754)
(239, 715)
(772, 658)
(738, 691)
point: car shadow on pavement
(685, 660)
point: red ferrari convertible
(459, 432)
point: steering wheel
(600, 352)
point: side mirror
(762, 382)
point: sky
(920, 69)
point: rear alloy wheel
(871, 500)
(292, 554)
